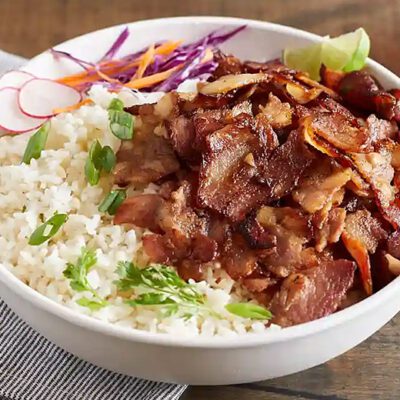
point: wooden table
(371, 371)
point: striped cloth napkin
(32, 368)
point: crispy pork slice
(312, 293)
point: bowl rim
(221, 342)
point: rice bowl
(124, 242)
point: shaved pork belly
(237, 258)
(278, 114)
(320, 185)
(227, 183)
(312, 293)
(147, 158)
(376, 169)
(141, 210)
(380, 129)
(361, 90)
(362, 234)
(393, 244)
(328, 227)
(286, 166)
(269, 176)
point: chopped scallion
(99, 158)
(47, 230)
(121, 122)
(108, 159)
(112, 201)
(116, 104)
(36, 144)
(249, 310)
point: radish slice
(39, 98)
(15, 79)
(11, 117)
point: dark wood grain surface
(372, 370)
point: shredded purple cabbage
(189, 56)
(84, 64)
(116, 45)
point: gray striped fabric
(32, 368)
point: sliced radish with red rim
(39, 98)
(11, 117)
(15, 79)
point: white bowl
(199, 361)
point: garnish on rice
(48, 229)
(160, 285)
(121, 122)
(112, 201)
(100, 158)
(78, 279)
(36, 144)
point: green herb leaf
(121, 124)
(77, 274)
(93, 305)
(162, 287)
(249, 310)
(99, 158)
(159, 285)
(112, 201)
(47, 230)
(108, 159)
(93, 163)
(36, 144)
(116, 104)
(151, 299)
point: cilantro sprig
(160, 285)
(77, 274)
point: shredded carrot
(73, 107)
(167, 47)
(146, 60)
(106, 77)
(107, 68)
(83, 77)
(152, 79)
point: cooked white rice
(56, 182)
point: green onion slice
(99, 158)
(116, 104)
(93, 163)
(108, 159)
(36, 144)
(47, 230)
(249, 310)
(112, 201)
(121, 122)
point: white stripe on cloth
(32, 368)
